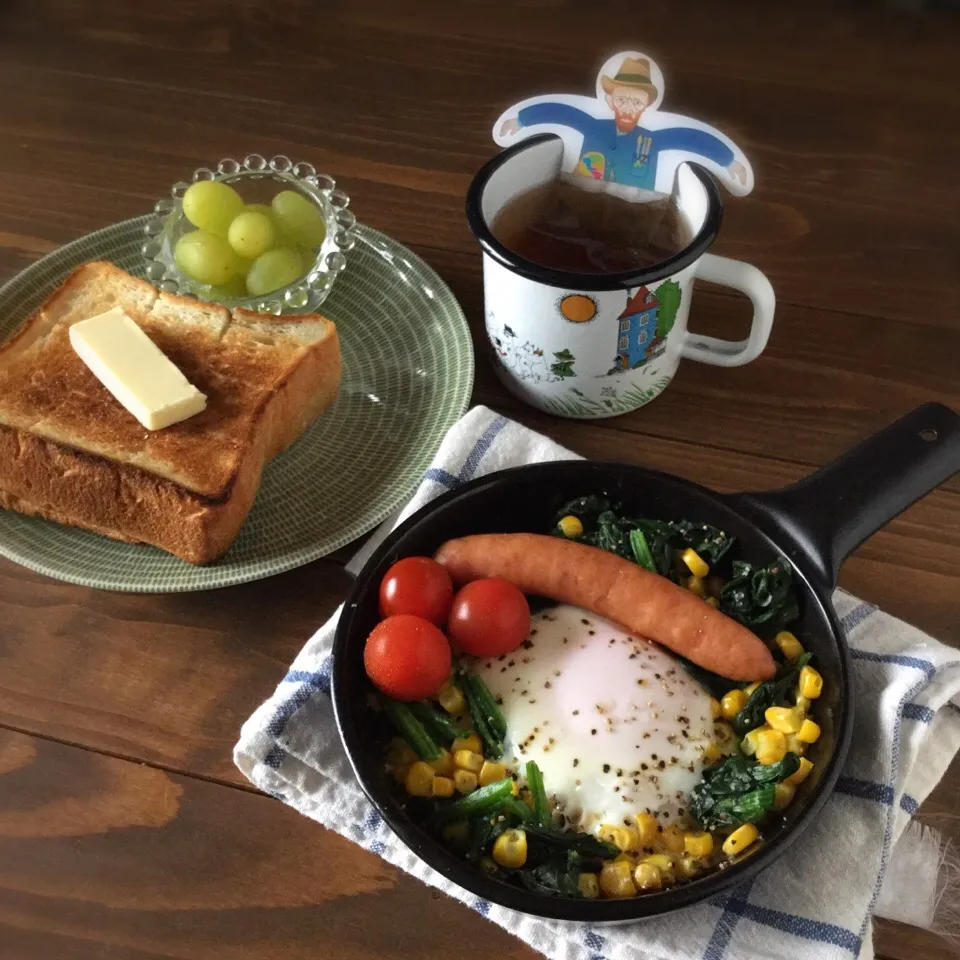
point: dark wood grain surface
(125, 830)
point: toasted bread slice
(70, 452)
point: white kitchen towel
(816, 902)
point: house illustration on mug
(637, 338)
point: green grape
(205, 257)
(211, 205)
(264, 208)
(299, 219)
(234, 289)
(251, 233)
(273, 270)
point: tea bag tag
(621, 135)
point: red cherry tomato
(488, 618)
(418, 586)
(407, 657)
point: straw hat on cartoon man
(629, 92)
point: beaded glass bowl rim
(307, 291)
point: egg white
(615, 723)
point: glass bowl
(257, 180)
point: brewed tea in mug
(567, 226)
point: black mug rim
(567, 279)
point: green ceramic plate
(407, 377)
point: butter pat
(134, 369)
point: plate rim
(461, 391)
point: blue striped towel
(816, 903)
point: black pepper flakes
(576, 762)
(592, 633)
(547, 685)
(576, 713)
(593, 732)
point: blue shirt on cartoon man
(620, 149)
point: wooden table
(125, 830)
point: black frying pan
(817, 523)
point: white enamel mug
(586, 345)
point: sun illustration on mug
(578, 307)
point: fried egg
(615, 723)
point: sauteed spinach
(738, 791)
(761, 598)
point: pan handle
(831, 512)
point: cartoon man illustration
(618, 148)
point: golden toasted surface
(240, 362)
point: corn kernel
(795, 745)
(696, 586)
(784, 719)
(471, 742)
(749, 743)
(797, 778)
(740, 839)
(514, 788)
(571, 527)
(698, 844)
(723, 734)
(672, 839)
(589, 885)
(664, 864)
(783, 794)
(732, 703)
(712, 753)
(491, 772)
(623, 838)
(451, 699)
(771, 747)
(488, 865)
(616, 879)
(442, 787)
(687, 867)
(444, 765)
(465, 781)
(803, 702)
(647, 877)
(716, 710)
(400, 754)
(419, 780)
(510, 848)
(749, 690)
(400, 773)
(789, 645)
(646, 829)
(468, 760)
(811, 683)
(456, 834)
(695, 563)
(713, 602)
(809, 732)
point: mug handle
(749, 280)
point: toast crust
(69, 452)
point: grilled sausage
(646, 604)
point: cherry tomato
(488, 618)
(419, 586)
(407, 657)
